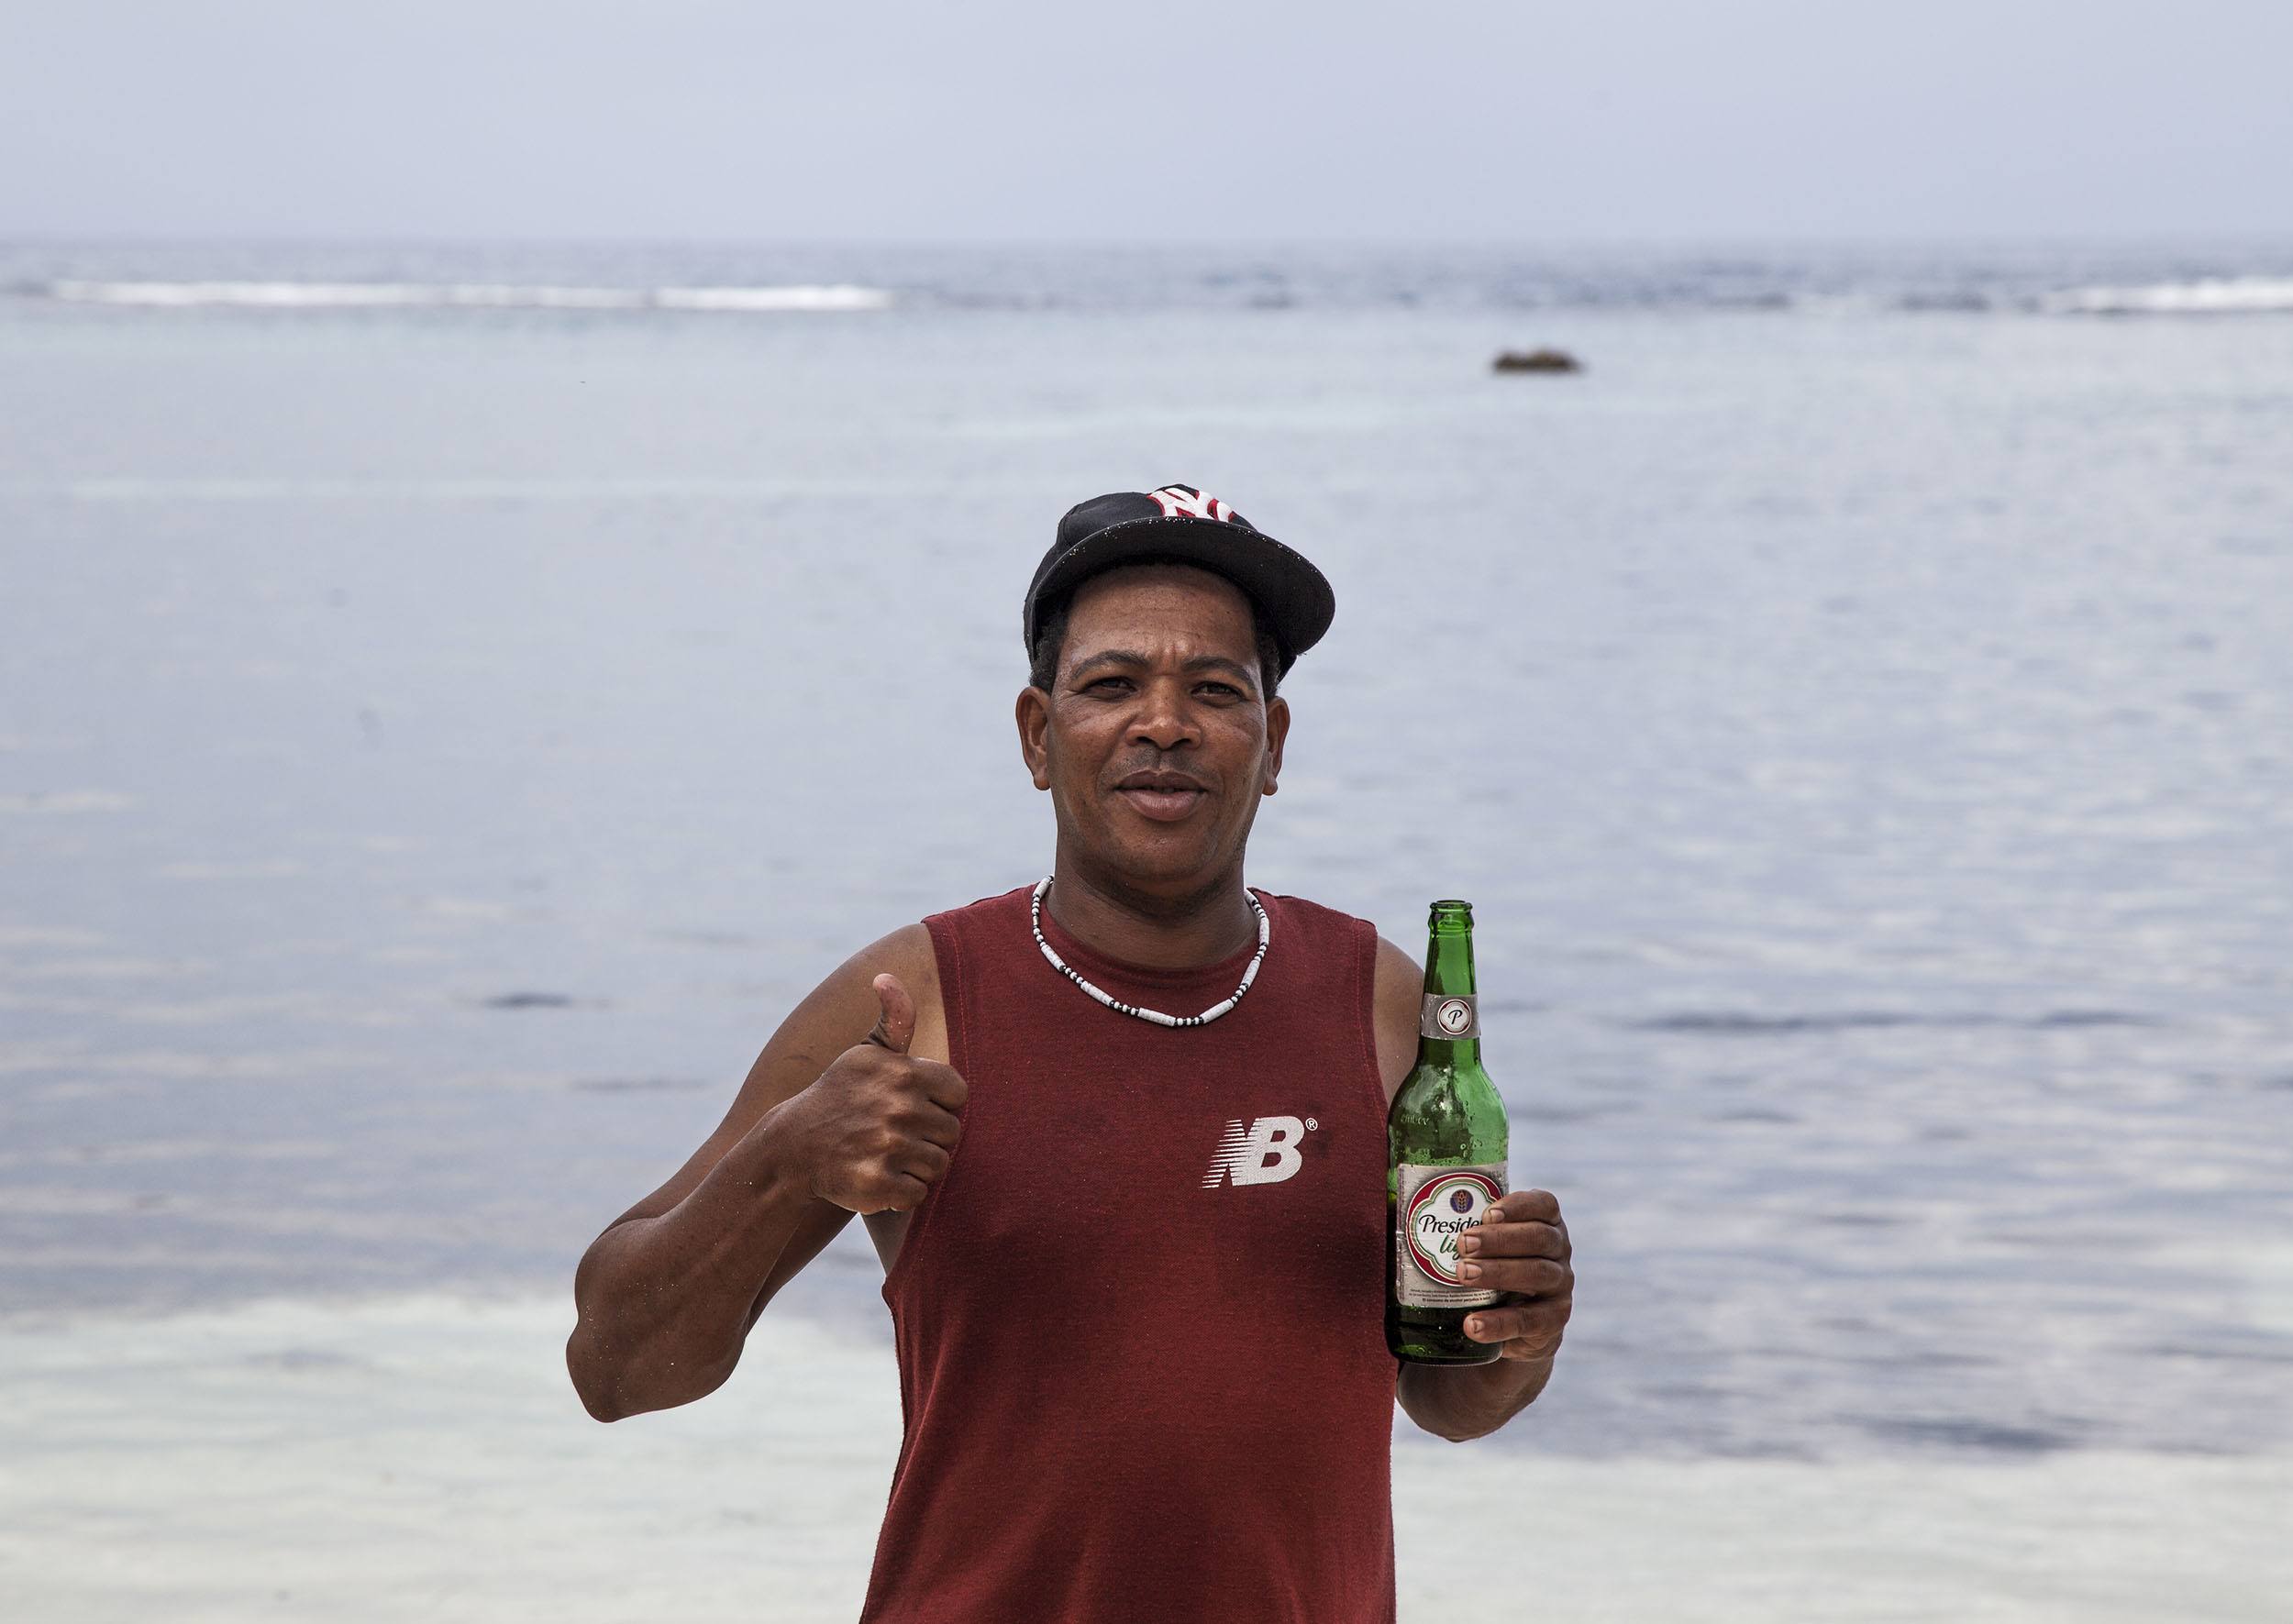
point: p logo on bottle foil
(1449, 1016)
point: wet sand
(423, 1456)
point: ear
(1277, 731)
(1034, 716)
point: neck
(1155, 931)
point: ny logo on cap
(1178, 500)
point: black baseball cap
(1179, 520)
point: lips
(1164, 797)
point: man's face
(1156, 740)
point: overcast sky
(1196, 120)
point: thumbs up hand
(895, 1027)
(876, 1129)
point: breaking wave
(411, 295)
(2215, 295)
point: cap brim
(1294, 595)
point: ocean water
(454, 700)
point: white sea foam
(837, 297)
(555, 488)
(2213, 296)
(407, 295)
(423, 1456)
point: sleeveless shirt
(1143, 1370)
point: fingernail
(1469, 1244)
(1492, 1213)
(1471, 1271)
(1474, 1327)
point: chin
(1165, 863)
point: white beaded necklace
(1265, 934)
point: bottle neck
(1449, 975)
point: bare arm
(1530, 1246)
(1525, 1253)
(668, 1293)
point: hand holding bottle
(1521, 1248)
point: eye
(1224, 688)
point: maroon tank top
(1140, 1320)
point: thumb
(896, 1025)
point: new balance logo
(1178, 500)
(1266, 1153)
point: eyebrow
(1201, 662)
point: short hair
(1050, 636)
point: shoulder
(1318, 916)
(956, 940)
(1309, 913)
(907, 952)
(1397, 983)
(1399, 977)
(1327, 929)
(1398, 998)
(847, 998)
(990, 913)
(914, 954)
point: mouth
(1163, 797)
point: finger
(922, 1161)
(943, 1084)
(1514, 1240)
(1529, 1347)
(1537, 1324)
(1531, 1276)
(1524, 1206)
(908, 1193)
(895, 1026)
(939, 1127)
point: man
(1144, 1375)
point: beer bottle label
(1450, 1016)
(1432, 1207)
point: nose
(1163, 718)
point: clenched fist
(877, 1128)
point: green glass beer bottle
(1446, 1159)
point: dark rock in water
(1537, 361)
